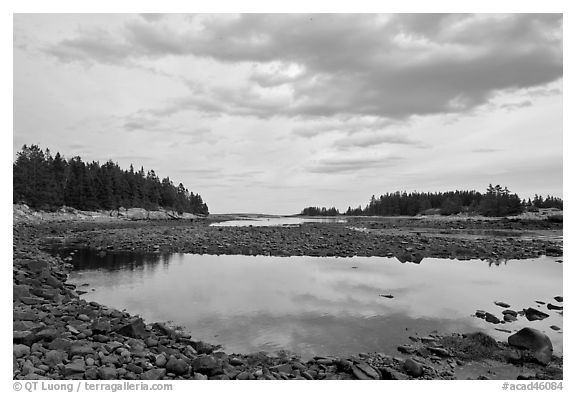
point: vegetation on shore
(497, 201)
(45, 182)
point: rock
(535, 315)
(83, 317)
(283, 368)
(108, 372)
(134, 368)
(510, 318)
(364, 371)
(164, 330)
(101, 326)
(135, 329)
(202, 347)
(413, 368)
(480, 314)
(559, 299)
(54, 357)
(177, 366)
(207, 365)
(61, 344)
(343, 365)
(154, 374)
(239, 362)
(439, 351)
(81, 350)
(101, 338)
(20, 350)
(389, 373)
(492, 318)
(161, 360)
(535, 341)
(554, 327)
(502, 304)
(408, 349)
(550, 306)
(76, 367)
(510, 312)
(47, 334)
(25, 337)
(388, 296)
(243, 376)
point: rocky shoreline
(58, 335)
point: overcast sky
(273, 113)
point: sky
(270, 113)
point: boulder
(365, 372)
(492, 318)
(177, 366)
(101, 326)
(108, 372)
(207, 365)
(76, 367)
(510, 312)
(160, 360)
(535, 315)
(54, 357)
(20, 350)
(413, 368)
(155, 373)
(535, 341)
(135, 329)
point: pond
(319, 306)
(275, 221)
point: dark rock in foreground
(535, 341)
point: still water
(314, 306)
(274, 221)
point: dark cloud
(350, 64)
(150, 17)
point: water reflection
(319, 305)
(497, 261)
(276, 221)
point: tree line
(497, 201)
(48, 182)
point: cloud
(389, 66)
(348, 126)
(516, 105)
(352, 164)
(151, 17)
(485, 150)
(374, 139)
(201, 172)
